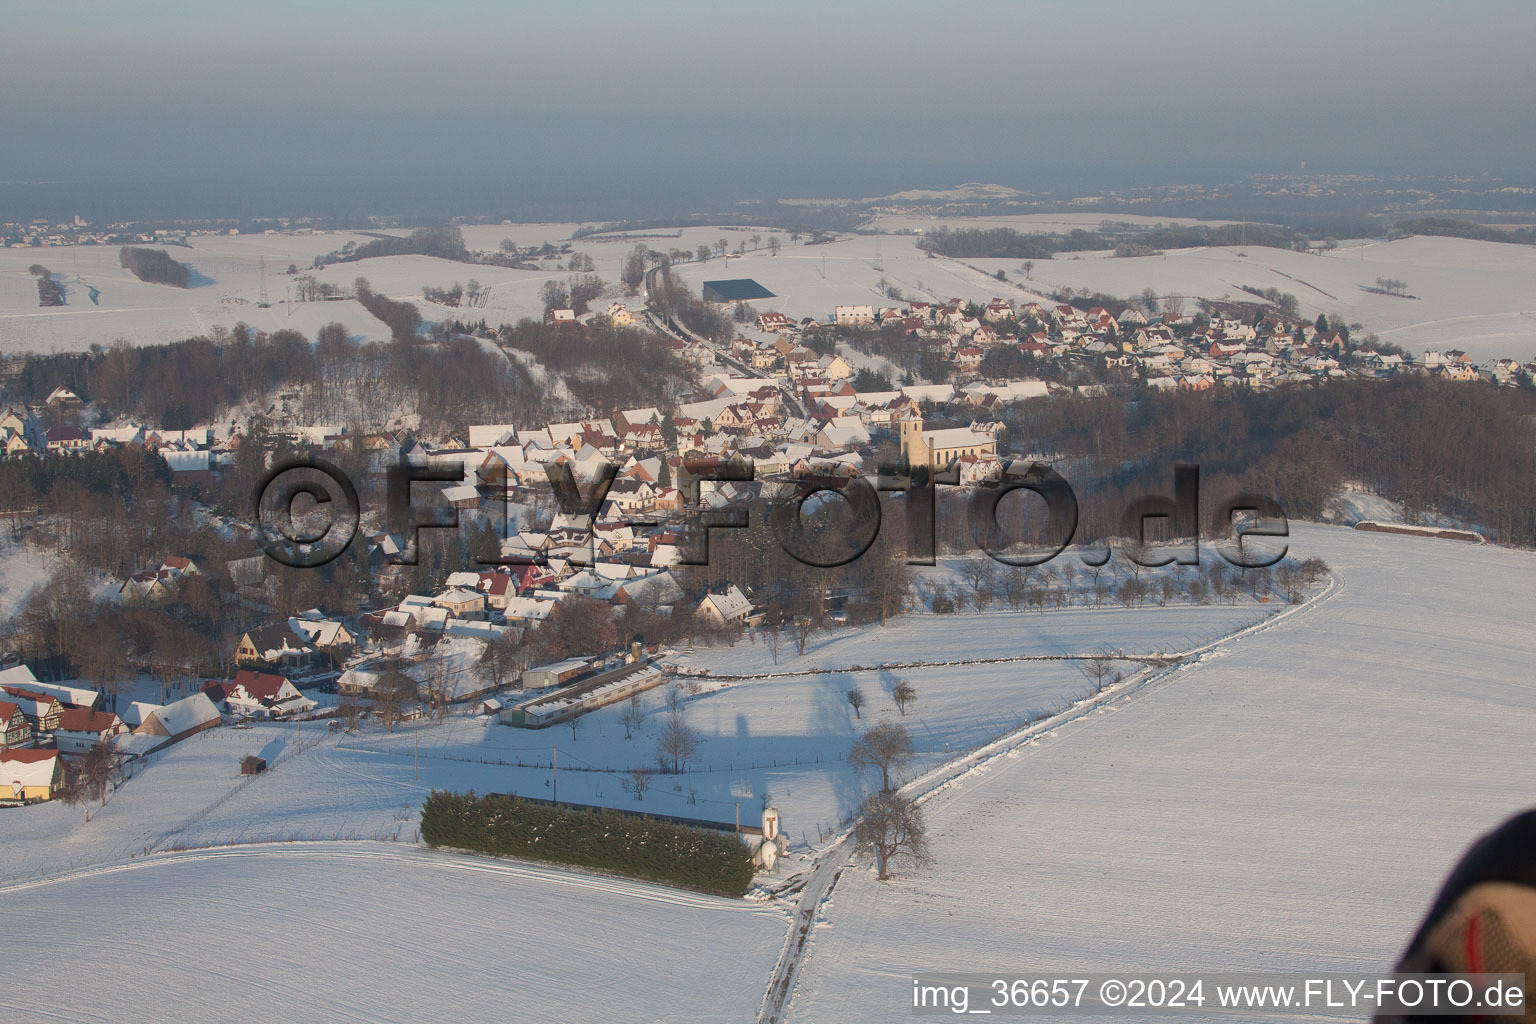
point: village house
(729, 607)
(257, 695)
(774, 323)
(15, 730)
(998, 309)
(31, 774)
(81, 730)
(42, 709)
(331, 638)
(66, 438)
(461, 603)
(176, 721)
(146, 587)
(62, 398)
(276, 645)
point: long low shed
(587, 695)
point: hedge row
(657, 851)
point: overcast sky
(167, 91)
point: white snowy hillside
(1293, 800)
(360, 932)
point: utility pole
(417, 760)
(554, 775)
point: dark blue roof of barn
(738, 289)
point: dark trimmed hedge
(657, 851)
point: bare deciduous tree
(904, 693)
(979, 571)
(1097, 668)
(891, 828)
(886, 746)
(637, 782)
(805, 626)
(632, 717)
(677, 743)
(675, 696)
(392, 695)
(856, 701)
(774, 639)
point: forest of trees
(617, 368)
(450, 380)
(670, 296)
(1466, 451)
(446, 243)
(1006, 243)
(1452, 228)
(154, 266)
(402, 318)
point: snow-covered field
(1472, 295)
(364, 932)
(104, 302)
(810, 280)
(1475, 296)
(1290, 802)
(780, 735)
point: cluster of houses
(44, 727)
(788, 406)
(42, 232)
(22, 433)
(1170, 350)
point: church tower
(914, 450)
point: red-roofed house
(259, 694)
(42, 709)
(15, 731)
(497, 588)
(80, 730)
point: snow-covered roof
(185, 714)
(321, 633)
(938, 393)
(187, 462)
(955, 437)
(136, 712)
(28, 767)
(18, 676)
(484, 435)
(732, 604)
